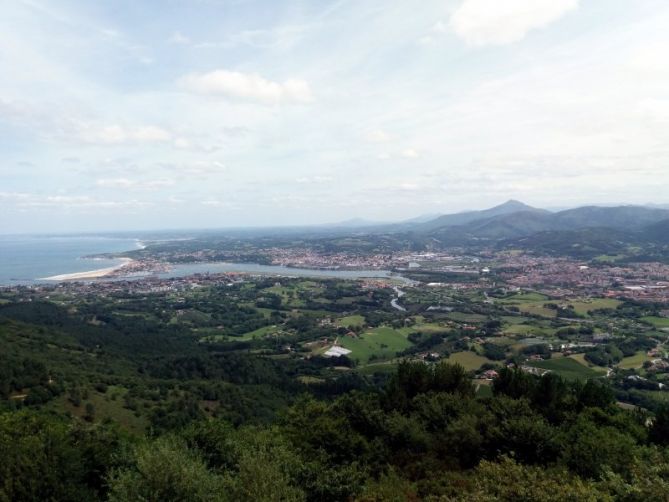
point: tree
(165, 470)
(659, 430)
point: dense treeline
(424, 435)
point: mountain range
(583, 231)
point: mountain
(582, 243)
(620, 217)
(514, 224)
(457, 219)
(423, 218)
(514, 219)
(657, 232)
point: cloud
(410, 153)
(377, 136)
(27, 200)
(179, 39)
(247, 87)
(499, 22)
(128, 184)
(117, 135)
(216, 203)
(314, 179)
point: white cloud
(410, 153)
(128, 184)
(248, 87)
(377, 136)
(182, 143)
(118, 135)
(314, 179)
(216, 203)
(25, 200)
(498, 22)
(179, 38)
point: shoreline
(90, 274)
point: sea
(32, 259)
(29, 259)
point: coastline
(91, 274)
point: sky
(131, 115)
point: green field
(351, 321)
(527, 329)
(586, 306)
(378, 343)
(258, 333)
(526, 297)
(464, 317)
(567, 367)
(536, 308)
(658, 322)
(386, 367)
(635, 361)
(469, 360)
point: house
(490, 375)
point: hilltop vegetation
(424, 435)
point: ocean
(27, 259)
(30, 259)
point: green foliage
(165, 470)
(44, 458)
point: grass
(526, 297)
(373, 368)
(463, 317)
(351, 321)
(378, 343)
(258, 333)
(580, 358)
(469, 360)
(635, 361)
(105, 408)
(527, 329)
(536, 309)
(609, 258)
(567, 367)
(587, 306)
(483, 390)
(658, 322)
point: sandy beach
(91, 274)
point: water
(180, 270)
(27, 259)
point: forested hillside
(424, 435)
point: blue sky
(212, 113)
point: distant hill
(583, 243)
(620, 217)
(514, 219)
(657, 232)
(457, 219)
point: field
(526, 297)
(585, 307)
(378, 343)
(464, 317)
(258, 333)
(658, 322)
(635, 361)
(568, 368)
(351, 321)
(469, 360)
(527, 329)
